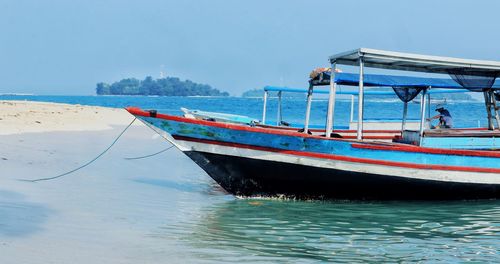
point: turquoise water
(254, 230)
(207, 225)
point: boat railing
(353, 95)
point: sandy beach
(104, 213)
(25, 117)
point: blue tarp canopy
(379, 80)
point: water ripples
(272, 230)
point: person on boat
(445, 120)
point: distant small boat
(433, 101)
(220, 117)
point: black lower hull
(252, 177)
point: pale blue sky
(66, 47)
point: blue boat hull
(253, 161)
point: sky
(65, 47)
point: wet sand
(107, 212)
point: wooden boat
(252, 160)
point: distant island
(170, 86)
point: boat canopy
(474, 75)
(414, 62)
(379, 80)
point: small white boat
(221, 117)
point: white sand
(26, 116)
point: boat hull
(254, 177)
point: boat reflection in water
(253, 230)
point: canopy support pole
(405, 112)
(360, 99)
(495, 108)
(352, 109)
(331, 101)
(266, 94)
(308, 108)
(429, 103)
(422, 115)
(487, 103)
(279, 117)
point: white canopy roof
(412, 62)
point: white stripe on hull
(413, 173)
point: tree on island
(170, 86)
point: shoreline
(18, 117)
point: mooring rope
(150, 155)
(86, 164)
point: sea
(228, 229)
